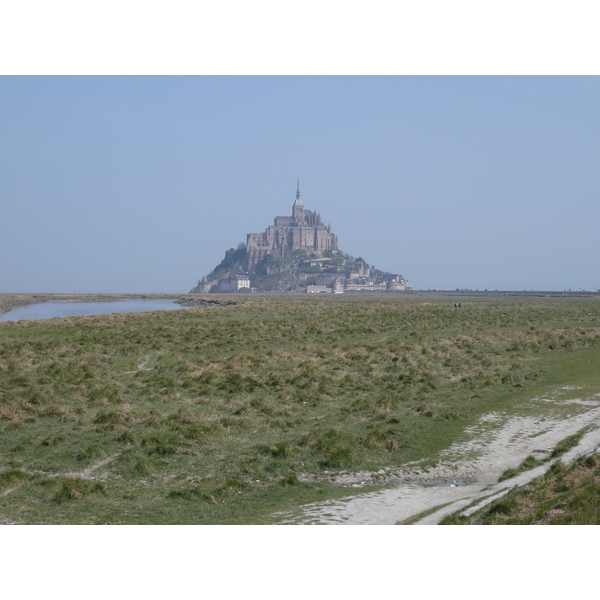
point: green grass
(529, 463)
(224, 414)
(567, 444)
(565, 495)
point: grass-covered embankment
(222, 414)
(565, 495)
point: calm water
(49, 310)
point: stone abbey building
(304, 230)
(296, 254)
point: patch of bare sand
(496, 443)
(90, 472)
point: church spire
(298, 201)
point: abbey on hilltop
(304, 230)
(296, 254)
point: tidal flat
(10, 301)
(232, 411)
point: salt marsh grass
(225, 413)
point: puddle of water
(459, 483)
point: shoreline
(8, 301)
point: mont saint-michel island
(297, 254)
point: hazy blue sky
(140, 184)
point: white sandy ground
(496, 443)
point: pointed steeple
(298, 201)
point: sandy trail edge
(496, 443)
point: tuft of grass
(190, 493)
(70, 488)
(90, 452)
(529, 463)
(12, 477)
(290, 479)
(567, 444)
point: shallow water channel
(50, 310)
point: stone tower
(298, 208)
(304, 230)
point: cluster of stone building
(229, 285)
(304, 232)
(337, 283)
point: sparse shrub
(455, 520)
(504, 506)
(426, 410)
(234, 485)
(156, 445)
(231, 421)
(154, 419)
(76, 489)
(390, 445)
(89, 453)
(336, 448)
(187, 493)
(15, 422)
(508, 474)
(557, 469)
(181, 416)
(561, 485)
(280, 450)
(126, 437)
(450, 416)
(53, 440)
(290, 479)
(194, 431)
(11, 477)
(589, 462)
(130, 463)
(56, 412)
(529, 463)
(140, 467)
(111, 419)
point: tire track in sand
(496, 443)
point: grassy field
(226, 413)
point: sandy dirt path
(90, 472)
(467, 471)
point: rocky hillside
(298, 271)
